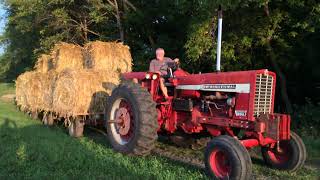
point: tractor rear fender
(148, 80)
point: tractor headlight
(154, 76)
(148, 76)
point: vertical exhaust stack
(219, 39)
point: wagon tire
(34, 115)
(292, 158)
(227, 158)
(48, 119)
(76, 128)
(135, 129)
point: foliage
(306, 119)
(34, 26)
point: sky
(2, 23)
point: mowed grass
(29, 150)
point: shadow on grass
(34, 151)
(99, 138)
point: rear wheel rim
(122, 127)
(220, 163)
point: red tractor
(234, 108)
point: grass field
(30, 150)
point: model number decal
(220, 86)
(241, 112)
(240, 88)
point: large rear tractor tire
(131, 119)
(291, 156)
(227, 158)
(76, 128)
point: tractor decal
(241, 112)
(239, 88)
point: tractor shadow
(34, 151)
(99, 136)
(256, 157)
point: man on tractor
(160, 65)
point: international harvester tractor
(234, 108)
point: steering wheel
(172, 66)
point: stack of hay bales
(83, 91)
(73, 80)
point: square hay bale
(108, 56)
(22, 88)
(48, 84)
(34, 90)
(44, 63)
(67, 56)
(82, 92)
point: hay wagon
(71, 83)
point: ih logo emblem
(241, 112)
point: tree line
(281, 35)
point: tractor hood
(236, 81)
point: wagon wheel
(227, 158)
(291, 156)
(76, 127)
(34, 115)
(48, 119)
(131, 119)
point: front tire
(227, 158)
(131, 119)
(292, 156)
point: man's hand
(176, 60)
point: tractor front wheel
(290, 155)
(131, 119)
(227, 158)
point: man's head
(160, 54)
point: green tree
(257, 34)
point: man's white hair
(159, 49)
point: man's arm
(152, 66)
(168, 60)
(176, 60)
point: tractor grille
(263, 94)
